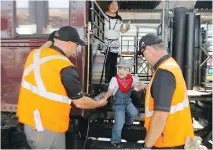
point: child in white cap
(120, 87)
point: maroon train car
(25, 25)
(22, 32)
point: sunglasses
(141, 50)
(143, 46)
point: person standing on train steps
(121, 87)
(168, 120)
(50, 83)
(112, 29)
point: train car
(25, 26)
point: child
(121, 87)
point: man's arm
(71, 82)
(88, 103)
(156, 127)
(162, 91)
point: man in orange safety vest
(168, 119)
(50, 83)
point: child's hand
(102, 102)
(104, 98)
(139, 86)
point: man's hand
(156, 127)
(88, 103)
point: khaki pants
(44, 139)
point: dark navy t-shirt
(163, 87)
(70, 80)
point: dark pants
(110, 68)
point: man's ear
(71, 45)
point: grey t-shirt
(70, 80)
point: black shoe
(117, 145)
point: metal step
(95, 144)
(107, 113)
(134, 132)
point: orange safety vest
(179, 123)
(43, 102)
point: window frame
(37, 35)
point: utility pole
(165, 21)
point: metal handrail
(97, 11)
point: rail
(129, 47)
(97, 21)
(96, 63)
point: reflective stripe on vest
(173, 109)
(40, 89)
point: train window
(41, 17)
